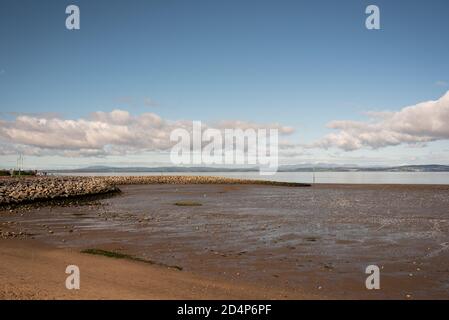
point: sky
(111, 92)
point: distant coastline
(286, 168)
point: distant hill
(156, 169)
(409, 168)
(289, 168)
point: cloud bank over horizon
(102, 133)
(413, 125)
(119, 133)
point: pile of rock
(12, 235)
(122, 180)
(22, 190)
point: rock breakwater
(122, 180)
(24, 190)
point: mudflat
(233, 241)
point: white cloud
(103, 133)
(413, 125)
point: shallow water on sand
(317, 239)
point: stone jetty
(24, 190)
(162, 179)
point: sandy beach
(232, 241)
(31, 270)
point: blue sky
(302, 64)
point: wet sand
(31, 270)
(316, 240)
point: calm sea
(308, 177)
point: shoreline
(19, 191)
